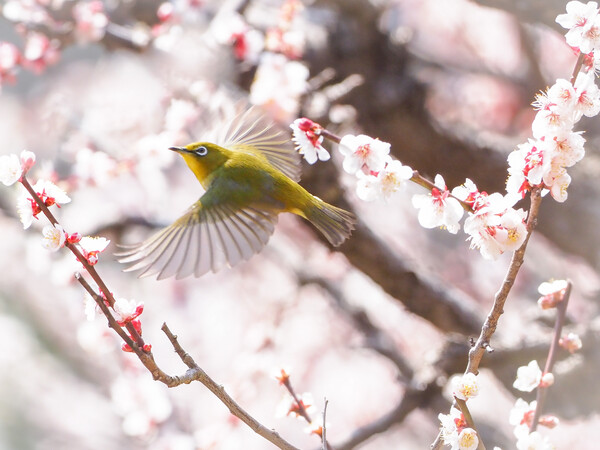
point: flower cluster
(493, 225)
(543, 161)
(456, 433)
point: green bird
(249, 175)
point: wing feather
(251, 131)
(202, 240)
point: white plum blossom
(552, 287)
(531, 441)
(561, 95)
(308, 140)
(452, 425)
(588, 94)
(51, 193)
(387, 182)
(127, 310)
(92, 246)
(582, 21)
(467, 439)
(528, 377)
(466, 386)
(494, 226)
(439, 209)
(522, 412)
(54, 237)
(10, 169)
(362, 152)
(27, 160)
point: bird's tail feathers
(335, 223)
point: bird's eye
(201, 151)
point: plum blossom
(54, 237)
(467, 439)
(91, 247)
(571, 342)
(127, 310)
(27, 160)
(493, 226)
(438, 209)
(582, 22)
(10, 169)
(306, 136)
(466, 386)
(385, 183)
(531, 441)
(362, 152)
(452, 425)
(528, 377)
(522, 413)
(552, 293)
(49, 193)
(588, 94)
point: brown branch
(464, 409)
(135, 341)
(491, 322)
(195, 373)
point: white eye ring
(201, 151)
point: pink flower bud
(549, 421)
(547, 379)
(571, 343)
(549, 301)
(73, 238)
(126, 348)
(27, 160)
(92, 258)
(137, 325)
(147, 348)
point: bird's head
(202, 157)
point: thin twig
(561, 315)
(323, 429)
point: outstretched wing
(252, 132)
(203, 239)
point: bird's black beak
(178, 149)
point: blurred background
(100, 90)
